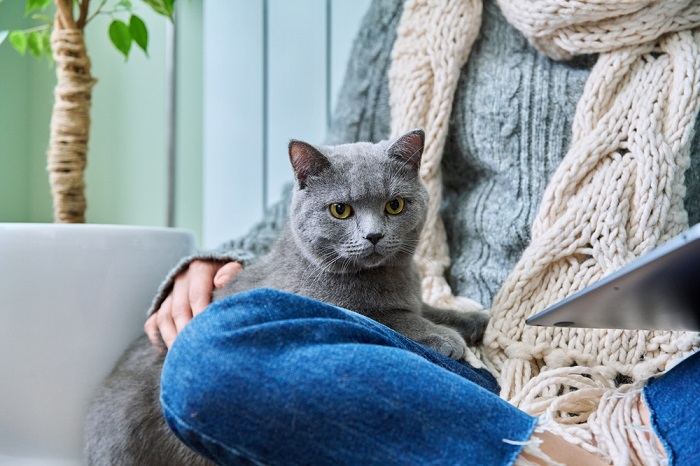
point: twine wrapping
(70, 125)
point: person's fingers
(166, 326)
(151, 329)
(201, 284)
(181, 312)
(227, 273)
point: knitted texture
(434, 39)
(617, 194)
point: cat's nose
(374, 237)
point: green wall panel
(188, 181)
(14, 121)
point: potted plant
(74, 295)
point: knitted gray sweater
(510, 127)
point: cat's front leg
(440, 338)
(471, 325)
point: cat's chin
(359, 264)
(373, 260)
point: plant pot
(72, 297)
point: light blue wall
(233, 112)
(272, 69)
(188, 182)
(296, 69)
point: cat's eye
(340, 210)
(395, 206)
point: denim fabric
(674, 402)
(267, 377)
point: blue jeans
(267, 377)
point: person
(339, 392)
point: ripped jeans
(267, 377)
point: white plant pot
(72, 297)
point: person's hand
(191, 294)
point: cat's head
(358, 206)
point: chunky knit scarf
(617, 194)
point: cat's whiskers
(313, 267)
(322, 269)
(326, 262)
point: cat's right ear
(306, 161)
(409, 148)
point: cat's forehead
(356, 150)
(364, 170)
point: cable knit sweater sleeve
(244, 250)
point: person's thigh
(275, 378)
(674, 403)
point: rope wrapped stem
(70, 118)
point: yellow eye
(340, 210)
(395, 206)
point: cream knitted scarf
(617, 194)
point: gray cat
(356, 215)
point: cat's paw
(473, 326)
(447, 342)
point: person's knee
(210, 346)
(207, 390)
(231, 379)
(207, 404)
(248, 347)
(216, 360)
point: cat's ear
(306, 161)
(409, 148)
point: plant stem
(96, 12)
(64, 14)
(35, 28)
(82, 19)
(70, 118)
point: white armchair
(72, 298)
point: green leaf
(46, 42)
(18, 39)
(3, 36)
(120, 36)
(169, 7)
(162, 7)
(125, 4)
(35, 5)
(35, 43)
(139, 32)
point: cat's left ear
(306, 161)
(409, 148)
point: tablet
(657, 291)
